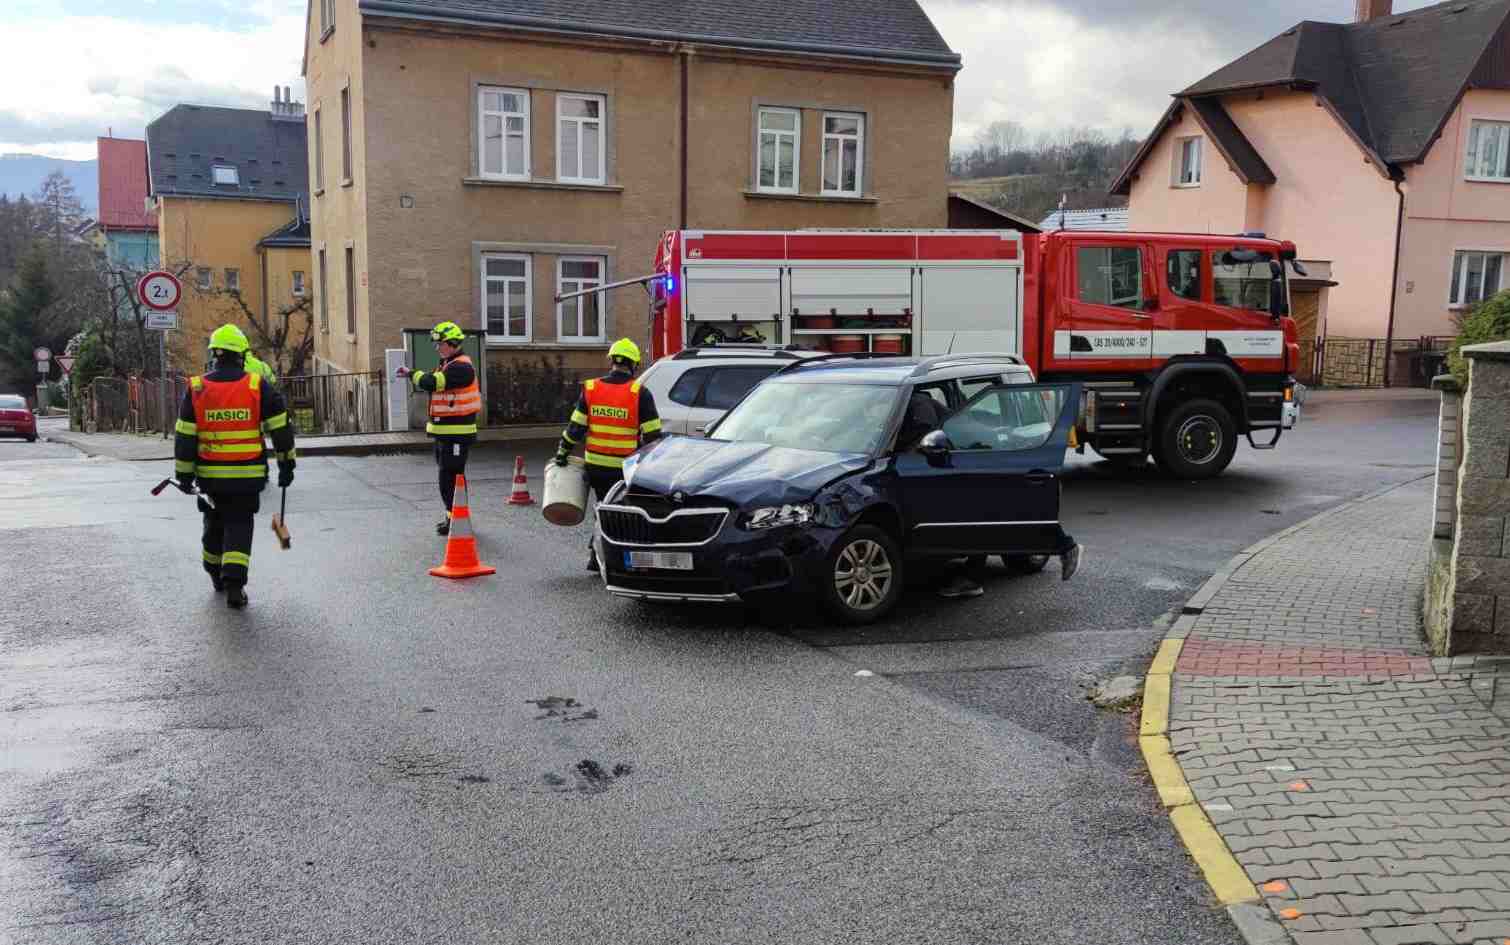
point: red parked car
(16, 419)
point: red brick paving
(1200, 657)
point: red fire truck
(1182, 342)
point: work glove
(285, 476)
(561, 456)
(186, 483)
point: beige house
(470, 160)
(1381, 147)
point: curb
(1227, 879)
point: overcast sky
(71, 69)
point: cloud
(1109, 64)
(126, 72)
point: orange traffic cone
(521, 493)
(461, 548)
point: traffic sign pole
(160, 291)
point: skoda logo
(677, 497)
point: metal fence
(1360, 362)
(336, 403)
(132, 405)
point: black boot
(235, 596)
(217, 583)
(444, 527)
(592, 560)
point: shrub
(531, 392)
(1488, 321)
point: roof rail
(823, 358)
(928, 364)
(735, 350)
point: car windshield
(828, 418)
(12, 403)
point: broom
(280, 527)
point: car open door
(987, 481)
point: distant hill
(22, 174)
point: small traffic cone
(461, 547)
(521, 493)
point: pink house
(1381, 147)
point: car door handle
(1038, 477)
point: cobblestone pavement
(1364, 787)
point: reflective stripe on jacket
(228, 426)
(613, 422)
(453, 411)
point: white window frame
(859, 140)
(561, 333)
(300, 285)
(1476, 134)
(225, 175)
(482, 139)
(1198, 145)
(529, 296)
(795, 135)
(319, 152)
(1459, 271)
(601, 121)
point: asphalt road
(371, 755)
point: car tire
(1026, 564)
(1197, 440)
(854, 588)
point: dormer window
(225, 174)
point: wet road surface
(371, 755)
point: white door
(969, 309)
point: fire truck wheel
(1196, 440)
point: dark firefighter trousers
(600, 479)
(450, 462)
(228, 535)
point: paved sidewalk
(1364, 787)
(140, 447)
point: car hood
(749, 475)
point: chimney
(1372, 10)
(284, 107)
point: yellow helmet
(448, 331)
(626, 349)
(229, 338)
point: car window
(1183, 270)
(1240, 284)
(687, 387)
(1110, 275)
(12, 403)
(829, 418)
(971, 386)
(1006, 418)
(728, 384)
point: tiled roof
(123, 185)
(1111, 219)
(292, 235)
(269, 154)
(1393, 80)
(871, 29)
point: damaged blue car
(834, 475)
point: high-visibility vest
(453, 412)
(613, 421)
(228, 424)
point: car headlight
(777, 515)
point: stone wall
(1468, 592)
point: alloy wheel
(863, 575)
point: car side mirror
(935, 446)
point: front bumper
(734, 565)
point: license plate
(659, 560)
(7, 427)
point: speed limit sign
(159, 291)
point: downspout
(685, 54)
(1394, 286)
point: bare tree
(285, 337)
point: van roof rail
(928, 364)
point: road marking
(1155, 706)
(1167, 777)
(1223, 874)
(1164, 661)
(864, 672)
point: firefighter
(616, 416)
(455, 402)
(219, 445)
(256, 365)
